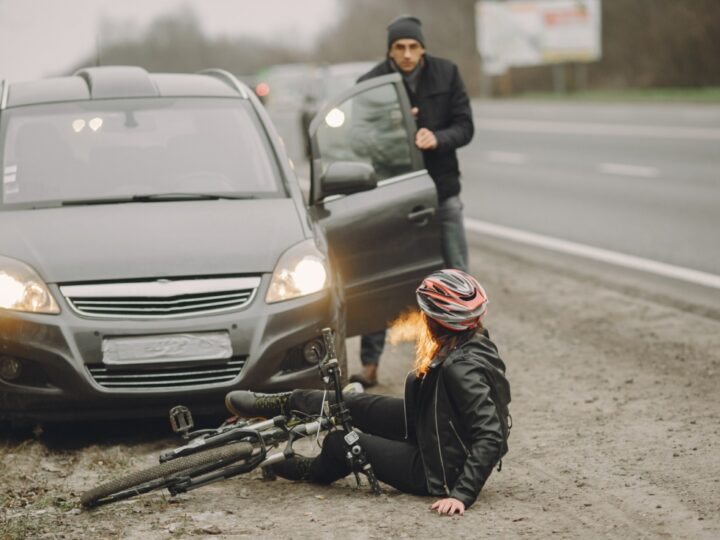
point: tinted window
(369, 128)
(117, 148)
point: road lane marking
(589, 252)
(509, 158)
(587, 128)
(621, 169)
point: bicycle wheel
(162, 475)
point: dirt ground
(616, 435)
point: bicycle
(239, 446)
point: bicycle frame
(271, 433)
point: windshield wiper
(159, 197)
(83, 202)
(188, 197)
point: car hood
(149, 240)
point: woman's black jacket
(452, 414)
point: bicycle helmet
(453, 299)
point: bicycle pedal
(181, 420)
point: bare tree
(646, 43)
(175, 42)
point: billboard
(516, 33)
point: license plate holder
(166, 348)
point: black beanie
(405, 27)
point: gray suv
(156, 249)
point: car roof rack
(112, 82)
(117, 82)
(227, 78)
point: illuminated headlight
(21, 289)
(301, 270)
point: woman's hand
(448, 506)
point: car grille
(166, 377)
(160, 298)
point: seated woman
(448, 433)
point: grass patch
(21, 527)
(652, 95)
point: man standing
(442, 109)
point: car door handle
(421, 215)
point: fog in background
(646, 43)
(40, 38)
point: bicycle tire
(223, 455)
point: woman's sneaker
(296, 468)
(254, 404)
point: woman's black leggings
(395, 460)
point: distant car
(156, 249)
(283, 86)
(327, 81)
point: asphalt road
(638, 179)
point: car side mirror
(346, 177)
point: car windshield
(134, 148)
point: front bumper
(59, 353)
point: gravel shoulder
(616, 434)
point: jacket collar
(440, 358)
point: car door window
(369, 127)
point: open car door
(377, 203)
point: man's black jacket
(443, 108)
(452, 414)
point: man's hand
(448, 506)
(425, 139)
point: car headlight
(301, 270)
(21, 289)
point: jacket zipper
(467, 452)
(405, 410)
(422, 457)
(437, 434)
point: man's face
(406, 53)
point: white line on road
(621, 169)
(509, 158)
(587, 128)
(598, 254)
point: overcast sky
(46, 37)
